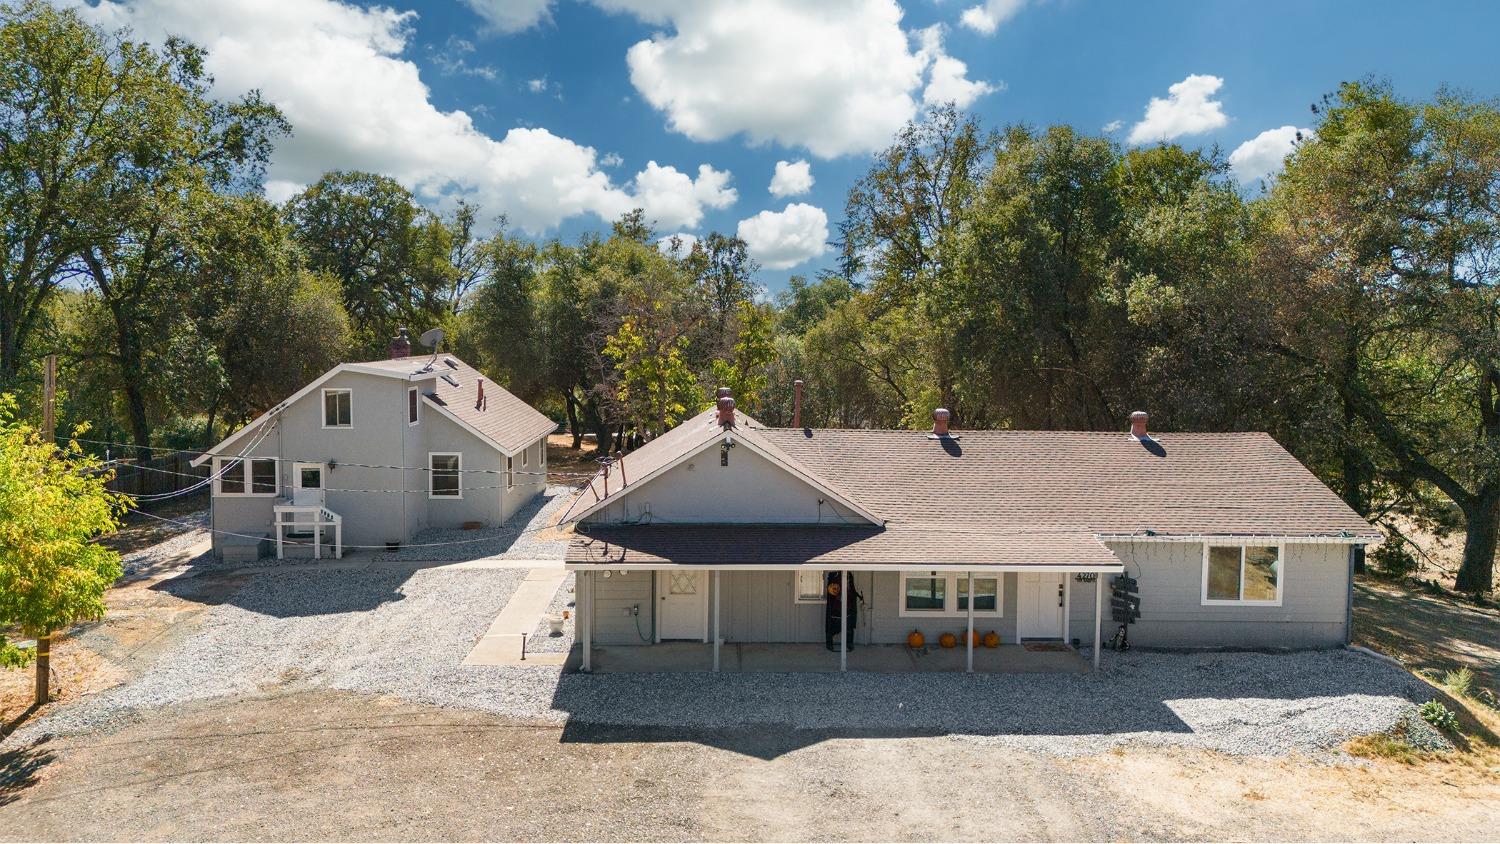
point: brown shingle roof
(731, 545)
(992, 497)
(505, 420)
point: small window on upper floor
(338, 408)
(510, 472)
(413, 401)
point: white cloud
(511, 15)
(836, 76)
(354, 104)
(1187, 110)
(792, 178)
(673, 199)
(1263, 155)
(780, 240)
(1112, 126)
(987, 17)
(537, 86)
(948, 80)
(280, 190)
(611, 159)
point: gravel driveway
(392, 630)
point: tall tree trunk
(1476, 574)
(571, 402)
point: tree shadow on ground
(20, 768)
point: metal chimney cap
(723, 392)
(941, 413)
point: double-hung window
(947, 593)
(445, 475)
(252, 476)
(1242, 575)
(338, 408)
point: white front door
(1039, 605)
(682, 605)
(307, 484)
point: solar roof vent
(452, 364)
(450, 379)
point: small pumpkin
(992, 639)
(947, 640)
(915, 639)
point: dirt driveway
(341, 766)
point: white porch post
(969, 636)
(1098, 614)
(583, 595)
(317, 536)
(718, 637)
(844, 620)
(278, 535)
(338, 539)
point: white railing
(314, 516)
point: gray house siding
(613, 599)
(1313, 613)
(377, 505)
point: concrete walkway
(501, 644)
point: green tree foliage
(53, 503)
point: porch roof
(851, 547)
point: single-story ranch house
(725, 530)
(372, 453)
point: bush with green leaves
(1394, 560)
(1460, 682)
(1438, 715)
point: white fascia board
(717, 438)
(908, 567)
(1242, 538)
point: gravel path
(197, 524)
(525, 536)
(393, 631)
(542, 639)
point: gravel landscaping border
(524, 536)
(542, 639)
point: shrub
(1438, 715)
(1460, 682)
(1393, 560)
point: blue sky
(551, 111)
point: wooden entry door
(682, 605)
(1040, 600)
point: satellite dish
(431, 338)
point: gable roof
(1034, 498)
(703, 431)
(505, 421)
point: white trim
(694, 451)
(296, 484)
(413, 407)
(453, 417)
(431, 472)
(277, 408)
(247, 477)
(323, 408)
(510, 473)
(660, 592)
(1022, 618)
(1241, 601)
(951, 580)
(828, 566)
(1248, 539)
(526, 457)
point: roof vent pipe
(480, 404)
(726, 411)
(400, 345)
(1138, 425)
(797, 403)
(940, 418)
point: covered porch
(798, 658)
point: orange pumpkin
(947, 640)
(915, 639)
(975, 637)
(992, 639)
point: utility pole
(49, 432)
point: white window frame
(247, 478)
(510, 472)
(323, 407)
(526, 457)
(797, 595)
(1241, 601)
(950, 595)
(413, 407)
(431, 473)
